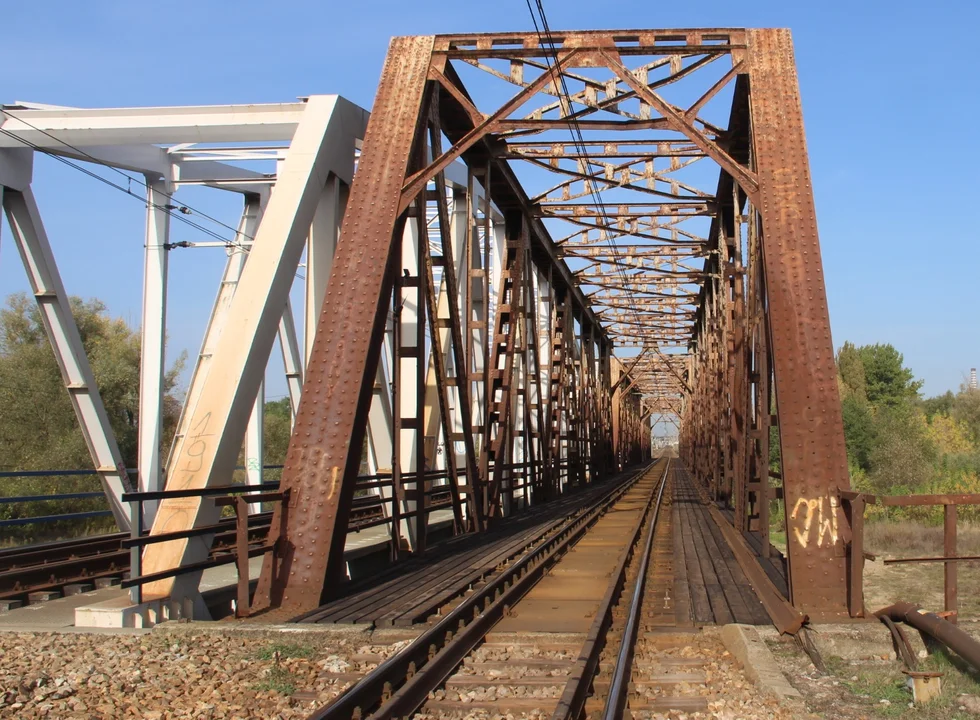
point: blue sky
(890, 91)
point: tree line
(38, 427)
(898, 442)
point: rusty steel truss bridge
(534, 249)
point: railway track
(72, 566)
(69, 566)
(583, 626)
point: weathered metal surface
(720, 291)
(325, 450)
(813, 455)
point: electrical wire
(579, 140)
(126, 191)
(104, 164)
(166, 208)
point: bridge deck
(705, 569)
(411, 591)
(709, 586)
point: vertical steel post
(949, 568)
(136, 551)
(814, 459)
(153, 336)
(255, 445)
(242, 511)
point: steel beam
(59, 324)
(813, 454)
(153, 334)
(325, 454)
(324, 139)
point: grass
(279, 680)
(285, 650)
(920, 583)
(873, 683)
(778, 538)
(916, 539)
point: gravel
(207, 675)
(161, 675)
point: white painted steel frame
(120, 138)
(59, 324)
(324, 142)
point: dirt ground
(866, 689)
(921, 583)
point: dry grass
(898, 539)
(921, 583)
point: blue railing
(56, 496)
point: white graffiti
(826, 524)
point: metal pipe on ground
(935, 627)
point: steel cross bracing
(651, 202)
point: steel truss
(297, 193)
(160, 149)
(720, 292)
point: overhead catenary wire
(233, 242)
(166, 208)
(561, 89)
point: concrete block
(121, 612)
(77, 589)
(104, 582)
(35, 598)
(860, 641)
(752, 653)
(8, 605)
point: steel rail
(43, 568)
(616, 699)
(49, 566)
(572, 702)
(402, 683)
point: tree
(902, 456)
(966, 409)
(859, 431)
(888, 381)
(276, 431)
(38, 428)
(850, 372)
(939, 405)
(949, 436)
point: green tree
(38, 428)
(939, 405)
(850, 372)
(885, 426)
(859, 431)
(966, 409)
(902, 457)
(888, 381)
(276, 430)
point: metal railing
(238, 496)
(854, 505)
(34, 498)
(56, 496)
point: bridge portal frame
(735, 360)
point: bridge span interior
(533, 259)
